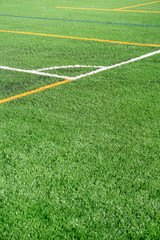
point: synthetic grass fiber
(80, 160)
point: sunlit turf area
(79, 142)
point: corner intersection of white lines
(98, 68)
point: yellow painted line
(100, 9)
(80, 38)
(138, 11)
(137, 5)
(34, 91)
(110, 10)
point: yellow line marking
(101, 9)
(137, 5)
(138, 11)
(80, 38)
(34, 91)
(111, 10)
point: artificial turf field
(79, 160)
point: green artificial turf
(80, 160)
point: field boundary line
(33, 72)
(138, 11)
(80, 21)
(78, 77)
(68, 66)
(137, 5)
(110, 10)
(34, 91)
(117, 65)
(81, 38)
(77, 8)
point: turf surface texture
(80, 160)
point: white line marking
(101, 69)
(69, 66)
(117, 65)
(33, 72)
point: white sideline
(117, 65)
(33, 72)
(101, 69)
(69, 66)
